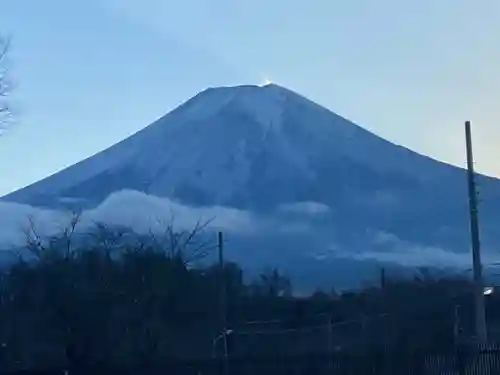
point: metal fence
(462, 361)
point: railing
(462, 361)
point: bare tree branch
(190, 245)
(34, 241)
(108, 238)
(5, 86)
(67, 234)
(45, 246)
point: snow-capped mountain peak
(231, 145)
(264, 103)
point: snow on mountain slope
(227, 144)
(336, 194)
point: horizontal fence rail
(462, 361)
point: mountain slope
(227, 144)
(268, 149)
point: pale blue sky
(92, 72)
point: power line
(310, 328)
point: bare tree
(35, 242)
(42, 245)
(66, 236)
(109, 238)
(5, 86)
(191, 245)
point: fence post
(460, 354)
(418, 362)
(376, 360)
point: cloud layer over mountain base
(144, 213)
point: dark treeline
(122, 302)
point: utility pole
(382, 278)
(480, 318)
(222, 300)
(330, 343)
(456, 324)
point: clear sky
(89, 73)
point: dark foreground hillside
(117, 304)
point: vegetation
(124, 299)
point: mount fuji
(336, 199)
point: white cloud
(311, 208)
(395, 250)
(414, 256)
(385, 238)
(14, 219)
(143, 212)
(125, 208)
